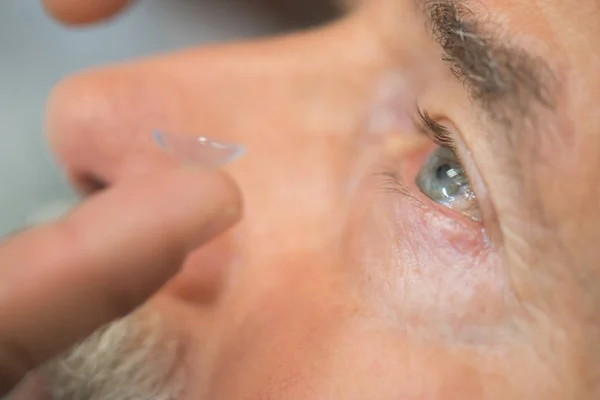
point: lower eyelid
(391, 183)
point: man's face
(420, 209)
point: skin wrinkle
(415, 274)
(433, 290)
(542, 237)
(506, 82)
(516, 90)
(498, 88)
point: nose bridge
(294, 189)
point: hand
(60, 282)
(75, 12)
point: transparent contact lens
(199, 150)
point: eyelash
(433, 130)
(438, 133)
(428, 127)
(391, 182)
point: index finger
(60, 282)
(77, 12)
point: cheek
(276, 338)
(400, 368)
(424, 269)
(441, 271)
(206, 272)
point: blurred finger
(60, 282)
(75, 12)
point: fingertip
(211, 199)
(78, 12)
(227, 200)
(105, 259)
(181, 208)
(172, 212)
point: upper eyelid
(448, 137)
(443, 136)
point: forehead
(564, 34)
(563, 180)
(563, 25)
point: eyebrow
(504, 79)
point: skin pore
(345, 280)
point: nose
(100, 124)
(284, 99)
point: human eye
(442, 176)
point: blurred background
(36, 53)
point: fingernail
(198, 150)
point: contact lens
(199, 150)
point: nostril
(72, 115)
(79, 113)
(88, 184)
(100, 127)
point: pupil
(446, 175)
(442, 172)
